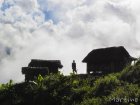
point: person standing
(74, 67)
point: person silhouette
(74, 67)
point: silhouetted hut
(107, 60)
(42, 67)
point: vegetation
(121, 88)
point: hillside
(121, 88)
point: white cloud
(81, 26)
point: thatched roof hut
(108, 56)
(43, 67)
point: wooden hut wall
(32, 73)
(106, 67)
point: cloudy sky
(65, 30)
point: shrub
(131, 74)
(104, 85)
(92, 101)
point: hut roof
(107, 54)
(34, 69)
(45, 63)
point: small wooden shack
(107, 60)
(42, 67)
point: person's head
(73, 61)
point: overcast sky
(64, 30)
